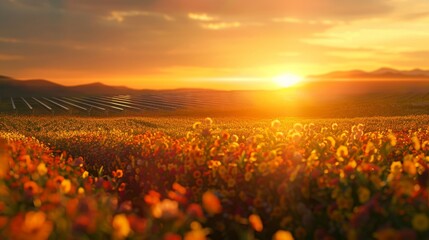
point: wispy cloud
(120, 16)
(221, 25)
(201, 17)
(306, 21)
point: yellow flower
(211, 203)
(41, 169)
(65, 186)
(196, 125)
(197, 232)
(121, 226)
(392, 139)
(420, 222)
(283, 235)
(396, 167)
(208, 121)
(81, 191)
(409, 166)
(256, 222)
(85, 174)
(275, 124)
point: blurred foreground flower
(211, 203)
(121, 226)
(282, 235)
(33, 225)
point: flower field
(142, 178)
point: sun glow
(287, 80)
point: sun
(287, 80)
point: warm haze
(207, 44)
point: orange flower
(58, 179)
(282, 235)
(152, 198)
(197, 232)
(211, 203)
(121, 187)
(118, 173)
(197, 174)
(31, 188)
(33, 225)
(179, 188)
(256, 222)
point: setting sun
(287, 80)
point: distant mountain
(379, 74)
(10, 87)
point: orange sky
(223, 44)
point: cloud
(120, 16)
(201, 17)
(221, 25)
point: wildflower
(208, 121)
(65, 186)
(121, 226)
(416, 142)
(196, 125)
(166, 209)
(409, 166)
(80, 191)
(331, 141)
(342, 151)
(275, 124)
(256, 222)
(197, 232)
(234, 138)
(420, 222)
(179, 188)
(152, 198)
(195, 210)
(282, 235)
(196, 174)
(211, 203)
(118, 173)
(31, 188)
(392, 139)
(85, 174)
(396, 167)
(41, 169)
(298, 127)
(34, 225)
(334, 126)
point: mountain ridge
(378, 74)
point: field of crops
(221, 178)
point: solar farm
(112, 105)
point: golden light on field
(287, 80)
